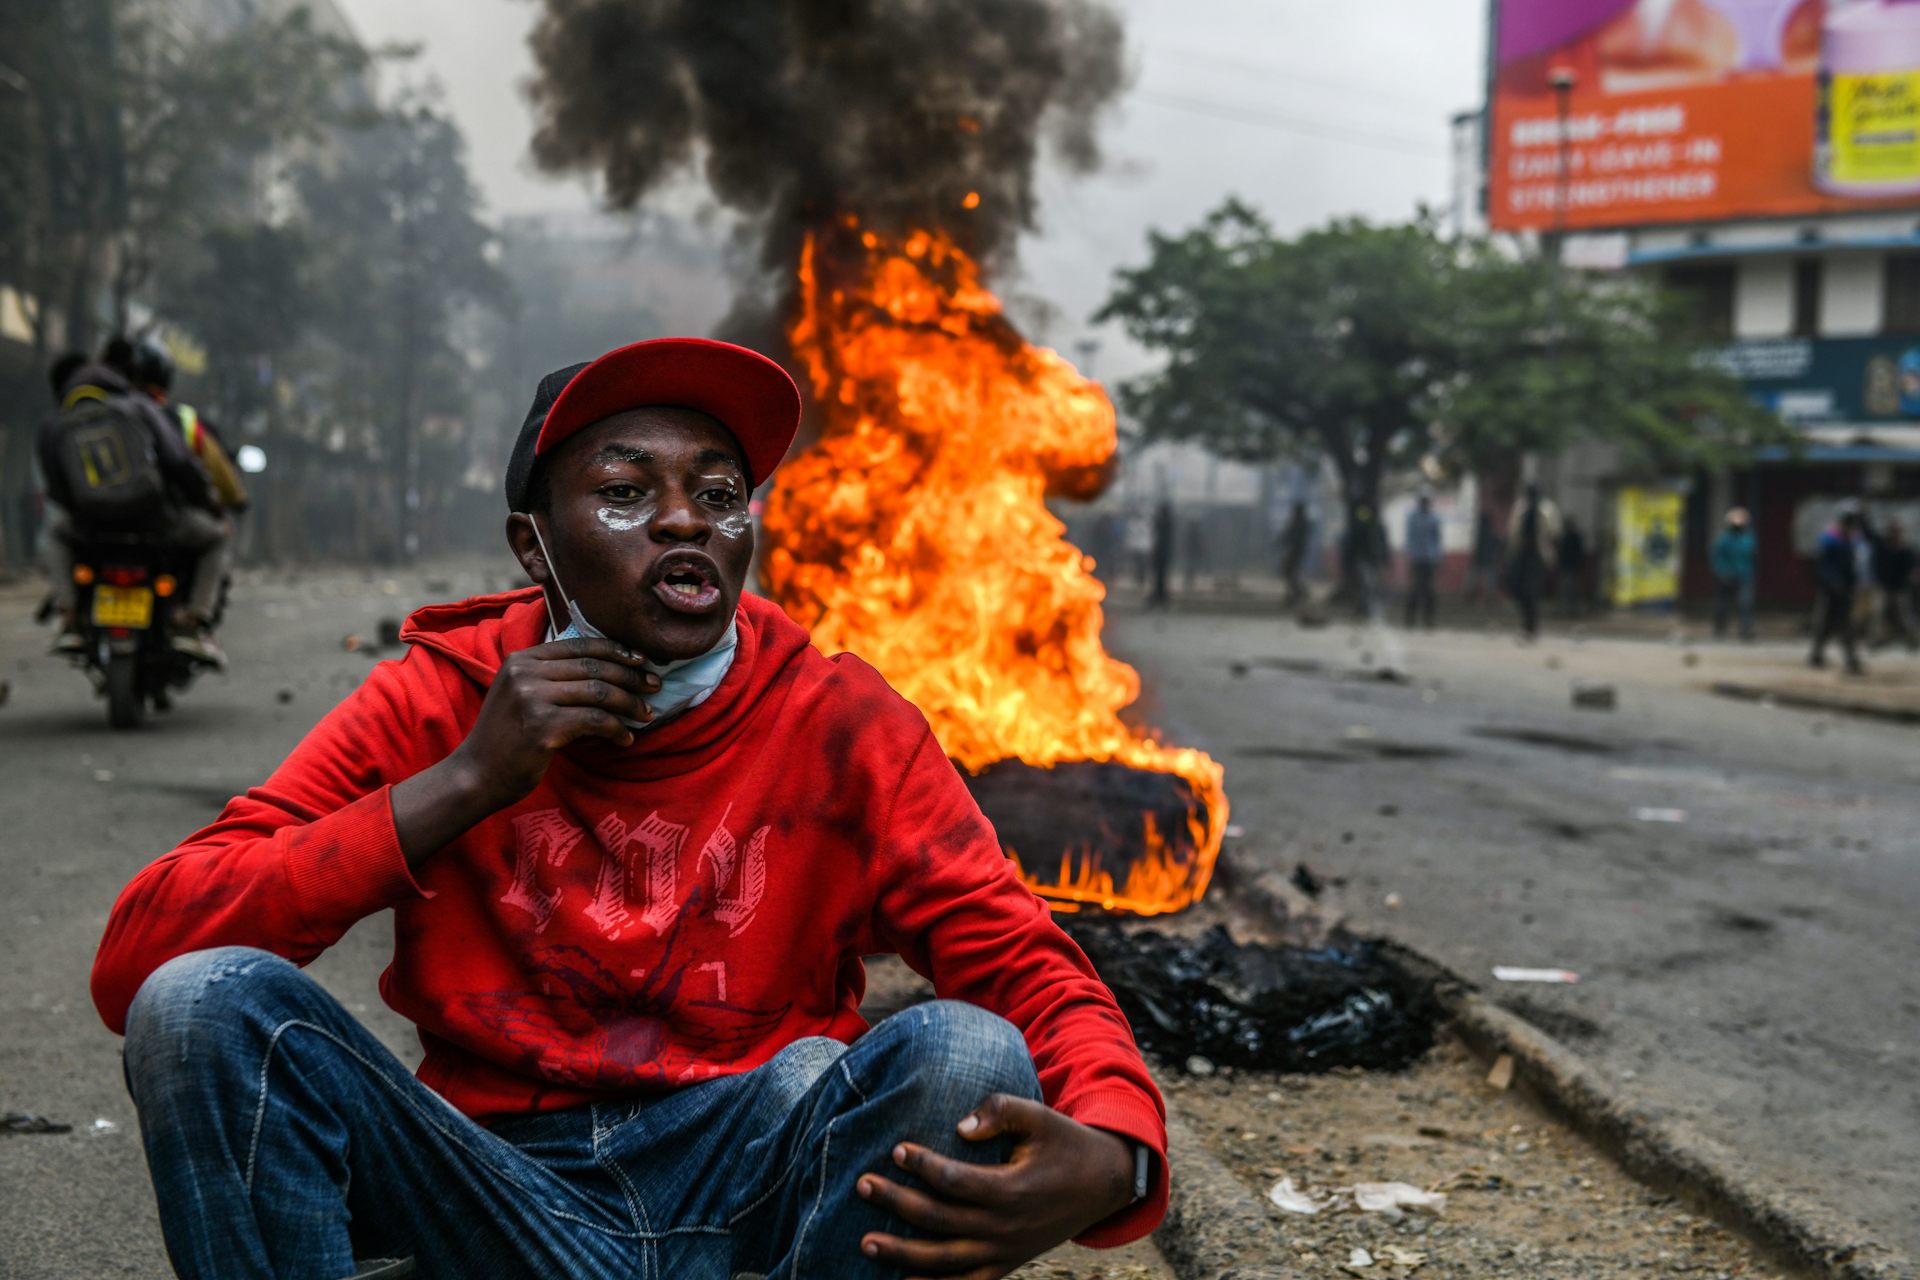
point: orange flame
(916, 534)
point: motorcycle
(127, 590)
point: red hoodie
(650, 916)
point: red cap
(748, 394)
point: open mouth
(688, 586)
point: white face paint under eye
(734, 524)
(625, 521)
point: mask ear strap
(553, 572)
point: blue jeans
(285, 1141)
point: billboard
(1699, 110)
(1646, 569)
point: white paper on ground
(1291, 1198)
(1516, 973)
(1392, 1197)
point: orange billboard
(1615, 113)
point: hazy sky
(1308, 110)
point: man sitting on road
(637, 835)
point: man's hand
(982, 1221)
(543, 699)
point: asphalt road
(1748, 967)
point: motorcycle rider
(182, 509)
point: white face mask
(684, 683)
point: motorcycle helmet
(152, 364)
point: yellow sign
(130, 607)
(1646, 567)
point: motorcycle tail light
(126, 576)
(83, 575)
(164, 585)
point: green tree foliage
(1381, 347)
(401, 260)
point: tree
(401, 258)
(1385, 346)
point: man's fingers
(571, 724)
(614, 671)
(918, 1209)
(987, 1185)
(1002, 1113)
(932, 1257)
(584, 647)
(603, 694)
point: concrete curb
(1803, 701)
(1214, 1224)
(1660, 1150)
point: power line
(1289, 124)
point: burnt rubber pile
(1347, 1003)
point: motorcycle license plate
(122, 607)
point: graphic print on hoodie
(649, 916)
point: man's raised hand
(541, 700)
(547, 697)
(981, 1222)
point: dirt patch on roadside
(1525, 1196)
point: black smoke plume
(799, 111)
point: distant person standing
(1483, 565)
(1573, 569)
(1836, 565)
(1893, 563)
(1194, 555)
(1423, 550)
(1533, 542)
(1139, 542)
(1734, 551)
(1162, 553)
(1363, 553)
(1293, 554)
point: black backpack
(108, 458)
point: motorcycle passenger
(114, 464)
(149, 367)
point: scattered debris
(283, 697)
(1394, 1256)
(1200, 1066)
(1646, 814)
(1234, 831)
(1501, 1077)
(6, 691)
(388, 629)
(1359, 1258)
(1238, 668)
(103, 775)
(1389, 810)
(1305, 881)
(1590, 696)
(103, 1126)
(1517, 973)
(1689, 659)
(1293, 1200)
(1359, 732)
(354, 644)
(1393, 902)
(22, 1122)
(1393, 1198)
